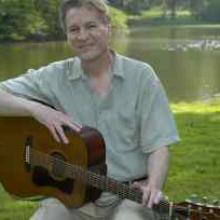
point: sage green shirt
(134, 118)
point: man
(119, 96)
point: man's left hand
(151, 195)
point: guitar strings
(101, 181)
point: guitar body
(51, 179)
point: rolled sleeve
(157, 125)
(31, 85)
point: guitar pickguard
(42, 178)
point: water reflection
(186, 59)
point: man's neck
(98, 67)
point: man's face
(87, 32)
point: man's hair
(99, 5)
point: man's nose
(83, 34)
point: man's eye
(73, 30)
(92, 26)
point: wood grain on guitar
(33, 164)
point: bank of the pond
(156, 16)
(195, 161)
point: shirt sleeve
(157, 125)
(32, 85)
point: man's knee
(51, 209)
(129, 210)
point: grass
(155, 16)
(195, 164)
(195, 161)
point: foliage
(132, 6)
(38, 20)
(18, 19)
(118, 20)
(48, 10)
(211, 11)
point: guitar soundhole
(58, 166)
(56, 178)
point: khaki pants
(108, 207)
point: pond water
(186, 58)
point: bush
(211, 12)
(118, 20)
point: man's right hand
(54, 120)
(11, 105)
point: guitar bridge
(27, 153)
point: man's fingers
(72, 124)
(54, 133)
(146, 192)
(150, 196)
(146, 197)
(150, 201)
(76, 127)
(61, 134)
(155, 198)
(158, 198)
(60, 131)
(136, 185)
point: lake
(186, 58)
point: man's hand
(151, 195)
(157, 167)
(54, 120)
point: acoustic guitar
(33, 164)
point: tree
(211, 11)
(49, 11)
(196, 7)
(133, 6)
(18, 18)
(172, 5)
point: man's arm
(158, 163)
(11, 105)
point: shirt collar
(75, 71)
(117, 69)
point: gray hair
(66, 5)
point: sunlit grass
(158, 16)
(195, 163)
(196, 107)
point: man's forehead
(84, 14)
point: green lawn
(195, 164)
(155, 16)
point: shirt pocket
(126, 128)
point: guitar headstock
(198, 209)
